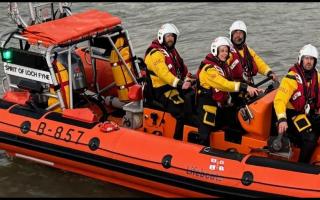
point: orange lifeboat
(147, 162)
(133, 145)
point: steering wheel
(271, 87)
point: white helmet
(308, 50)
(167, 28)
(238, 25)
(219, 41)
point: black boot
(308, 145)
(178, 133)
(204, 131)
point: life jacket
(304, 94)
(220, 97)
(242, 67)
(172, 59)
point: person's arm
(263, 67)
(283, 95)
(286, 89)
(212, 78)
(156, 63)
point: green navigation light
(7, 55)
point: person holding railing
(215, 84)
(244, 62)
(297, 103)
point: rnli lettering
(60, 133)
(201, 173)
(213, 75)
(29, 73)
(155, 63)
(282, 89)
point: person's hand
(274, 76)
(191, 76)
(186, 85)
(282, 127)
(191, 79)
(253, 91)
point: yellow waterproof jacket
(286, 89)
(263, 68)
(210, 77)
(155, 61)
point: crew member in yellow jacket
(170, 78)
(297, 103)
(244, 62)
(214, 86)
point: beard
(169, 45)
(238, 41)
(308, 67)
(308, 74)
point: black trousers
(306, 140)
(225, 116)
(181, 112)
(238, 100)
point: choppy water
(276, 31)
